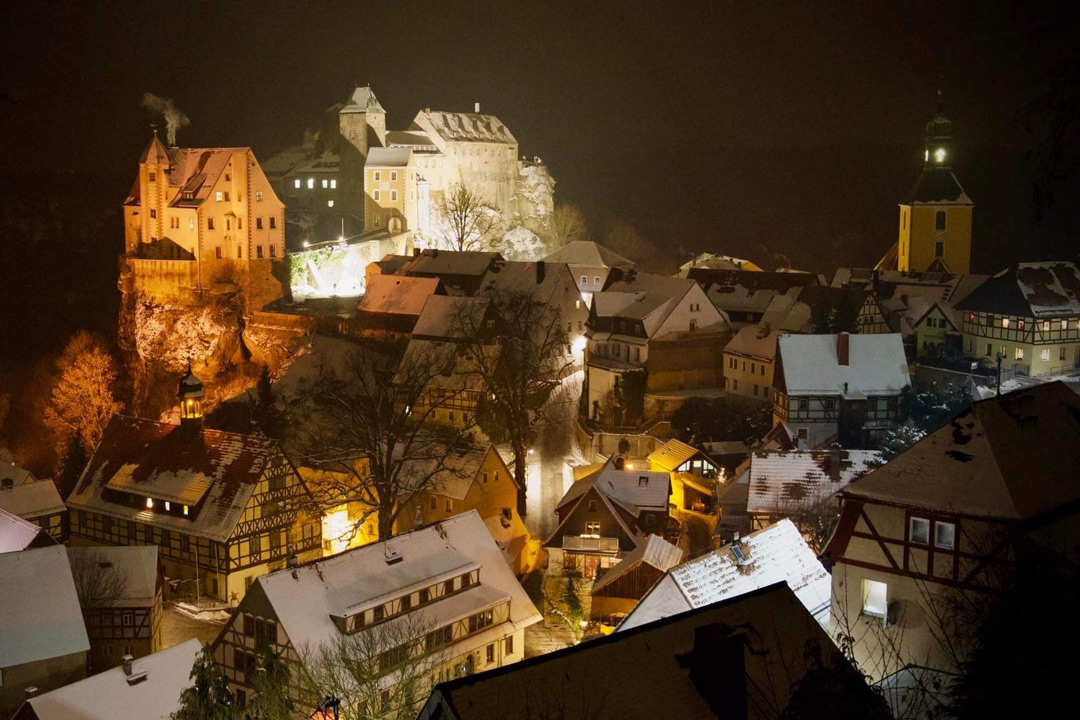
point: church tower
(935, 218)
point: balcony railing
(590, 544)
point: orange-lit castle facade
(196, 215)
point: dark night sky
(710, 125)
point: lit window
(1004, 322)
(1044, 354)
(258, 196)
(1046, 326)
(218, 195)
(333, 184)
(920, 530)
(191, 224)
(875, 598)
(592, 529)
(1019, 353)
(1064, 324)
(1019, 324)
(149, 502)
(310, 183)
(329, 203)
(168, 506)
(325, 184)
(296, 182)
(577, 304)
(185, 509)
(944, 535)
(939, 155)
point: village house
(127, 623)
(649, 335)
(197, 215)
(839, 388)
(607, 514)
(38, 502)
(17, 534)
(1029, 315)
(694, 474)
(43, 641)
(744, 295)
(793, 484)
(395, 196)
(616, 591)
(744, 657)
(391, 305)
(452, 317)
(146, 688)
(223, 507)
(590, 264)
(945, 515)
(461, 272)
(443, 592)
(775, 554)
(749, 362)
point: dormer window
(378, 613)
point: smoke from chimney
(174, 119)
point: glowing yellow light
(336, 529)
(939, 155)
(185, 509)
(629, 466)
(579, 344)
(149, 502)
(926, 156)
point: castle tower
(145, 220)
(362, 121)
(935, 218)
(190, 393)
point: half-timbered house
(447, 582)
(123, 619)
(839, 388)
(947, 514)
(38, 502)
(223, 507)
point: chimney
(718, 669)
(126, 660)
(842, 348)
(540, 269)
(416, 252)
(477, 107)
(434, 252)
(30, 692)
(293, 561)
(427, 111)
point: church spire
(939, 136)
(155, 153)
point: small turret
(155, 153)
(939, 136)
(190, 393)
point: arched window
(939, 220)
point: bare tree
(98, 582)
(567, 225)
(521, 380)
(372, 425)
(624, 238)
(466, 221)
(384, 672)
(83, 399)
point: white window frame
(218, 196)
(875, 598)
(311, 183)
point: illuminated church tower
(935, 219)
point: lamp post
(1000, 357)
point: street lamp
(1000, 357)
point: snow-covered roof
(109, 695)
(541, 280)
(450, 262)
(774, 554)
(588, 253)
(876, 365)
(362, 100)
(39, 609)
(137, 564)
(397, 294)
(448, 316)
(195, 171)
(783, 480)
(469, 127)
(32, 500)
(671, 455)
(713, 261)
(305, 599)
(388, 157)
(653, 551)
(1039, 290)
(17, 534)
(160, 461)
(757, 341)
(409, 138)
(634, 490)
(458, 472)
(14, 473)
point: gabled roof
(14, 473)
(32, 500)
(137, 564)
(195, 171)
(362, 100)
(774, 554)
(876, 365)
(41, 618)
(450, 262)
(1039, 290)
(447, 317)
(633, 490)
(410, 138)
(1012, 457)
(672, 454)
(655, 671)
(654, 552)
(469, 127)
(589, 253)
(155, 153)
(457, 475)
(398, 294)
(540, 279)
(17, 534)
(305, 599)
(782, 481)
(160, 460)
(109, 695)
(388, 157)
(754, 341)
(640, 296)
(937, 185)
